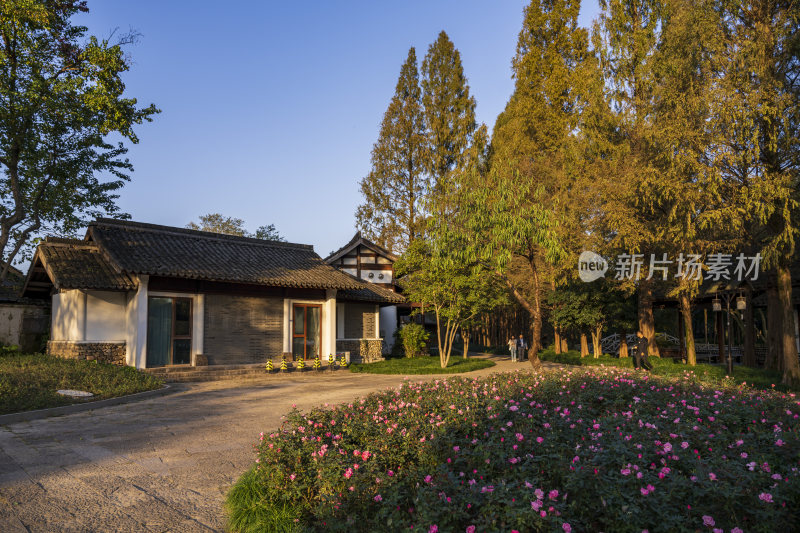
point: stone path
(157, 465)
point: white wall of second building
(388, 324)
(105, 316)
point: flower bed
(593, 449)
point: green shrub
(414, 338)
(581, 449)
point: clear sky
(270, 109)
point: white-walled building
(147, 295)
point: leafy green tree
(268, 233)
(392, 214)
(504, 221)
(448, 110)
(218, 223)
(61, 97)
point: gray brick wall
(359, 321)
(242, 329)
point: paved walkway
(157, 465)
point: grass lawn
(422, 365)
(666, 366)
(30, 381)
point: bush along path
(582, 449)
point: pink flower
(378, 498)
(765, 497)
(708, 521)
(566, 527)
(470, 529)
(433, 529)
(428, 479)
(536, 505)
(736, 530)
(553, 494)
(348, 473)
(291, 478)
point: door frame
(173, 337)
(306, 306)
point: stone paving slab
(161, 464)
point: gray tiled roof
(73, 264)
(139, 248)
(371, 292)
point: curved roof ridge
(210, 235)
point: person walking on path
(640, 359)
(521, 347)
(512, 347)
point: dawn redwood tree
(61, 97)
(448, 110)
(394, 190)
(758, 105)
(626, 38)
(534, 148)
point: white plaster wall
(388, 324)
(105, 316)
(68, 319)
(10, 324)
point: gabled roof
(139, 248)
(73, 264)
(359, 240)
(370, 292)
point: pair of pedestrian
(517, 347)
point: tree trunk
(791, 365)
(465, 338)
(749, 331)
(688, 331)
(721, 336)
(557, 343)
(584, 345)
(564, 345)
(623, 344)
(536, 337)
(596, 345)
(646, 319)
(774, 327)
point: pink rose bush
(584, 449)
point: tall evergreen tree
(534, 141)
(758, 106)
(448, 108)
(394, 190)
(626, 39)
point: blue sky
(270, 109)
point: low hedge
(577, 449)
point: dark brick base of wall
(106, 352)
(362, 350)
